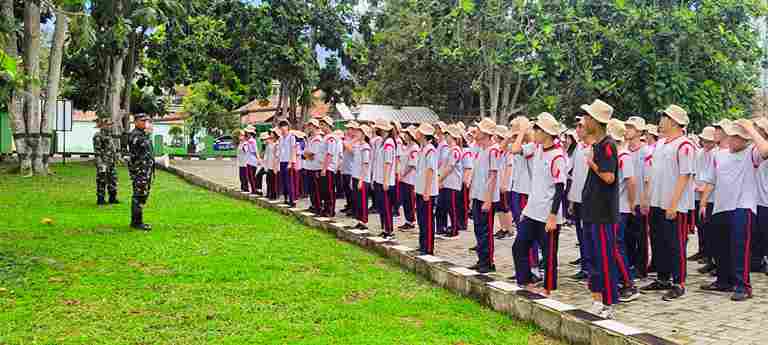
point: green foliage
(147, 102)
(176, 131)
(208, 107)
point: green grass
(214, 270)
(182, 151)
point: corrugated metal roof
(372, 112)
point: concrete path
(698, 318)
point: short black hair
(283, 123)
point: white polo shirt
(703, 161)
(346, 159)
(548, 169)
(735, 178)
(762, 184)
(411, 161)
(330, 149)
(641, 162)
(361, 156)
(286, 143)
(626, 171)
(427, 160)
(522, 167)
(456, 173)
(316, 147)
(579, 172)
(384, 154)
(671, 159)
(486, 162)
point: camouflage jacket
(140, 150)
(104, 149)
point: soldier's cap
(103, 122)
(140, 117)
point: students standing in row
(485, 193)
(426, 186)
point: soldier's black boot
(113, 199)
(100, 201)
(137, 218)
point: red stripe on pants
(454, 225)
(606, 268)
(430, 240)
(551, 262)
(748, 253)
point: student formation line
(634, 192)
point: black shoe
(361, 226)
(486, 269)
(628, 294)
(716, 287)
(406, 226)
(142, 227)
(100, 201)
(696, 257)
(534, 278)
(291, 204)
(474, 267)
(580, 276)
(656, 286)
(709, 267)
(576, 262)
(372, 211)
(501, 234)
(740, 296)
(385, 234)
(674, 293)
(113, 199)
(473, 249)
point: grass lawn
(214, 270)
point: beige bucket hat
(677, 114)
(298, 134)
(616, 129)
(487, 126)
(454, 131)
(367, 130)
(653, 130)
(383, 125)
(637, 122)
(599, 110)
(547, 123)
(722, 123)
(264, 136)
(328, 121)
(708, 133)
(352, 125)
(762, 122)
(737, 129)
(426, 129)
(461, 126)
(501, 131)
(314, 122)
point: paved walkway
(698, 318)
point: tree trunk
(482, 103)
(14, 112)
(52, 90)
(114, 97)
(32, 163)
(504, 111)
(495, 79)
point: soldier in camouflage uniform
(106, 158)
(142, 168)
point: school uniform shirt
(269, 156)
(427, 160)
(299, 152)
(401, 157)
(346, 159)
(315, 147)
(734, 175)
(641, 163)
(252, 148)
(411, 161)
(600, 200)
(468, 158)
(509, 164)
(456, 173)
(703, 161)
(626, 171)
(762, 184)
(671, 159)
(548, 169)
(330, 149)
(361, 155)
(385, 154)
(485, 163)
(522, 168)
(579, 171)
(443, 150)
(286, 143)
(242, 154)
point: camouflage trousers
(106, 181)
(142, 183)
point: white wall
(80, 139)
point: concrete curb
(572, 325)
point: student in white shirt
(450, 180)
(627, 202)
(732, 179)
(543, 214)
(760, 242)
(313, 154)
(384, 176)
(361, 175)
(271, 163)
(467, 161)
(242, 163)
(703, 160)
(258, 159)
(637, 233)
(579, 170)
(328, 165)
(485, 193)
(287, 162)
(671, 200)
(506, 160)
(426, 187)
(408, 175)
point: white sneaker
(607, 313)
(596, 308)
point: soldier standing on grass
(106, 158)
(142, 168)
